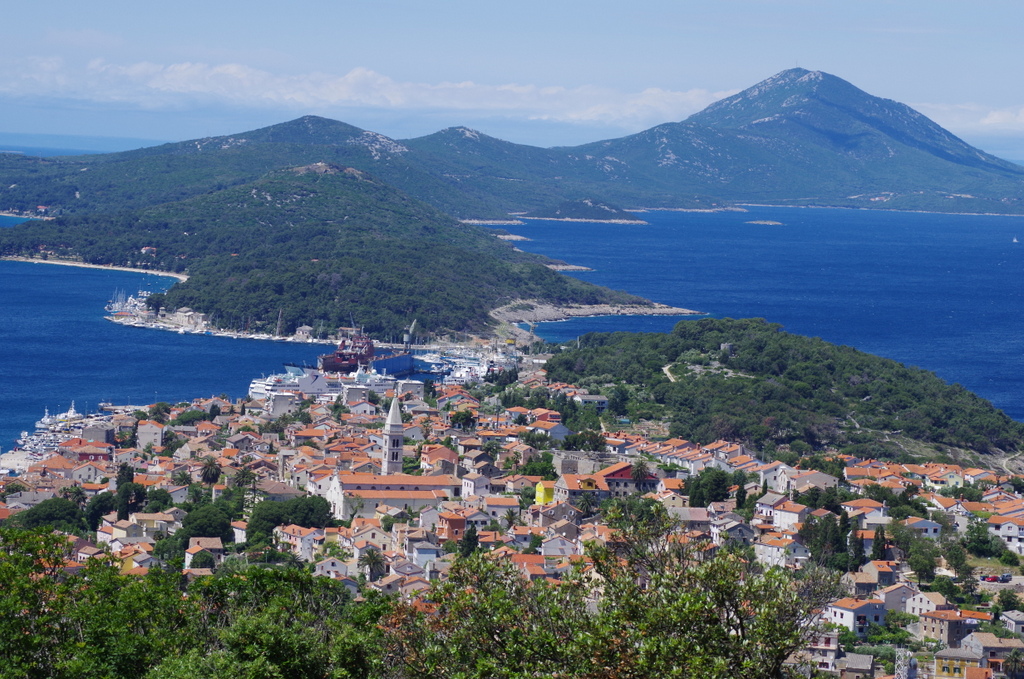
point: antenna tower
(902, 663)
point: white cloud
(180, 85)
(1005, 119)
(975, 118)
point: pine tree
(741, 497)
(878, 545)
(125, 474)
(469, 542)
(842, 541)
(855, 553)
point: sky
(545, 73)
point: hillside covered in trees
(748, 380)
(315, 243)
(718, 617)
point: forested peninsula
(749, 380)
(314, 243)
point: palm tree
(244, 478)
(210, 471)
(75, 494)
(1014, 663)
(373, 561)
(511, 517)
(586, 504)
(640, 472)
(181, 477)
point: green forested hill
(773, 388)
(316, 243)
(173, 172)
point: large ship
(355, 349)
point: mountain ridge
(798, 137)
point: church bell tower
(394, 436)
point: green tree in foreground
(661, 612)
(1014, 664)
(648, 606)
(98, 624)
(204, 560)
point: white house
(856, 614)
(782, 552)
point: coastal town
(382, 484)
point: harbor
(396, 366)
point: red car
(991, 578)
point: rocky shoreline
(568, 267)
(638, 222)
(532, 311)
(491, 222)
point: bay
(941, 292)
(55, 348)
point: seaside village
(414, 476)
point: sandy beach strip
(83, 265)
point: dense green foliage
(773, 388)
(685, 617)
(56, 514)
(98, 623)
(719, 617)
(318, 245)
(308, 512)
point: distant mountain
(804, 137)
(798, 138)
(171, 172)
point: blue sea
(56, 347)
(943, 292)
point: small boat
(1015, 240)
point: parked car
(1005, 577)
(991, 578)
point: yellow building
(545, 493)
(954, 662)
